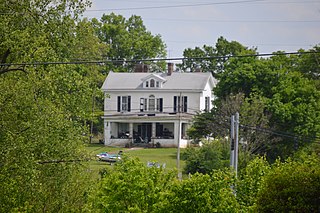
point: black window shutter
(119, 103)
(185, 104)
(129, 103)
(141, 104)
(175, 103)
(161, 105)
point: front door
(144, 131)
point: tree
(212, 155)
(201, 193)
(253, 120)
(131, 186)
(213, 58)
(292, 186)
(308, 64)
(249, 182)
(43, 108)
(286, 86)
(127, 40)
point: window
(147, 83)
(207, 104)
(152, 83)
(151, 103)
(143, 104)
(180, 103)
(159, 104)
(124, 103)
(154, 104)
(158, 84)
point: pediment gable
(153, 76)
(153, 81)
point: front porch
(148, 134)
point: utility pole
(179, 136)
(232, 136)
(92, 115)
(234, 144)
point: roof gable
(175, 81)
(154, 76)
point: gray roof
(175, 81)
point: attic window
(157, 84)
(152, 83)
(147, 83)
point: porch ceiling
(149, 117)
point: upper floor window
(207, 104)
(151, 104)
(180, 103)
(152, 83)
(124, 103)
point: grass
(167, 156)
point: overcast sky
(269, 25)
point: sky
(268, 25)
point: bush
(131, 187)
(212, 155)
(201, 193)
(249, 182)
(293, 186)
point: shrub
(201, 193)
(212, 155)
(293, 186)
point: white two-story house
(154, 108)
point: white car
(111, 158)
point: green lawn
(167, 156)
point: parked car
(108, 157)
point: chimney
(170, 68)
(141, 68)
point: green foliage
(290, 98)
(252, 117)
(43, 108)
(249, 182)
(286, 86)
(201, 193)
(292, 186)
(127, 39)
(200, 57)
(131, 186)
(308, 64)
(210, 156)
(202, 125)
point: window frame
(180, 105)
(124, 103)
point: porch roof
(149, 117)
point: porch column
(131, 132)
(153, 132)
(177, 132)
(107, 133)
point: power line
(175, 6)
(282, 134)
(232, 21)
(196, 5)
(121, 61)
